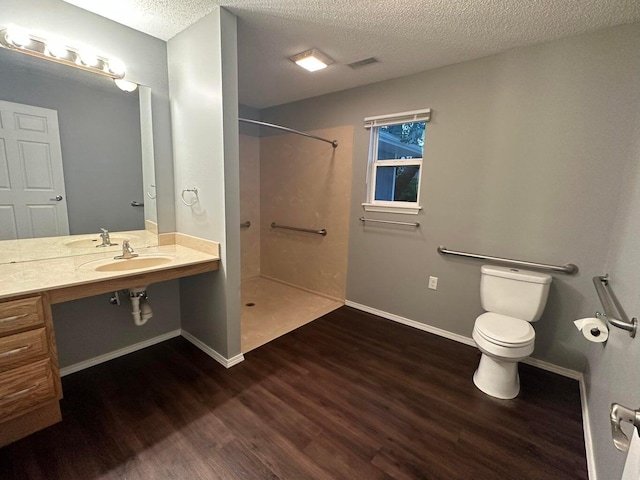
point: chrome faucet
(127, 251)
(106, 241)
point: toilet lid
(504, 330)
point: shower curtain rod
(334, 143)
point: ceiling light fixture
(20, 40)
(312, 60)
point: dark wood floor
(348, 396)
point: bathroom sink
(91, 242)
(111, 265)
(132, 264)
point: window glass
(397, 184)
(396, 150)
(401, 141)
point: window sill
(403, 209)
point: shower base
(270, 309)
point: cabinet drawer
(26, 387)
(22, 348)
(20, 315)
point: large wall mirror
(76, 156)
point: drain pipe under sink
(140, 308)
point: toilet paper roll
(593, 329)
(632, 465)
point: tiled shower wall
(250, 205)
(305, 183)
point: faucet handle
(127, 251)
(106, 241)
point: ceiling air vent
(363, 63)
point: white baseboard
(76, 367)
(550, 367)
(412, 323)
(586, 427)
(553, 368)
(225, 362)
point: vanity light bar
(21, 41)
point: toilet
(512, 299)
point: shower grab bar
(246, 224)
(322, 231)
(613, 312)
(334, 143)
(410, 224)
(568, 268)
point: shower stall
(295, 190)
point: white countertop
(34, 276)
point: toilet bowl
(503, 341)
(513, 298)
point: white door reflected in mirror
(32, 190)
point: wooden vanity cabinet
(30, 387)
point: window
(395, 161)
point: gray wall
(204, 105)
(252, 114)
(521, 147)
(146, 61)
(613, 370)
(91, 327)
(100, 137)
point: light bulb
(88, 58)
(57, 49)
(116, 67)
(125, 85)
(18, 36)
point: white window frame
(374, 124)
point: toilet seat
(505, 331)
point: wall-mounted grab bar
(334, 143)
(410, 224)
(246, 224)
(322, 231)
(568, 268)
(613, 312)
(617, 415)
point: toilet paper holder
(617, 415)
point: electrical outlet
(433, 283)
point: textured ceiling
(407, 36)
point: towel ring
(192, 190)
(149, 195)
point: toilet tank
(513, 292)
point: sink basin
(110, 265)
(90, 242)
(132, 264)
